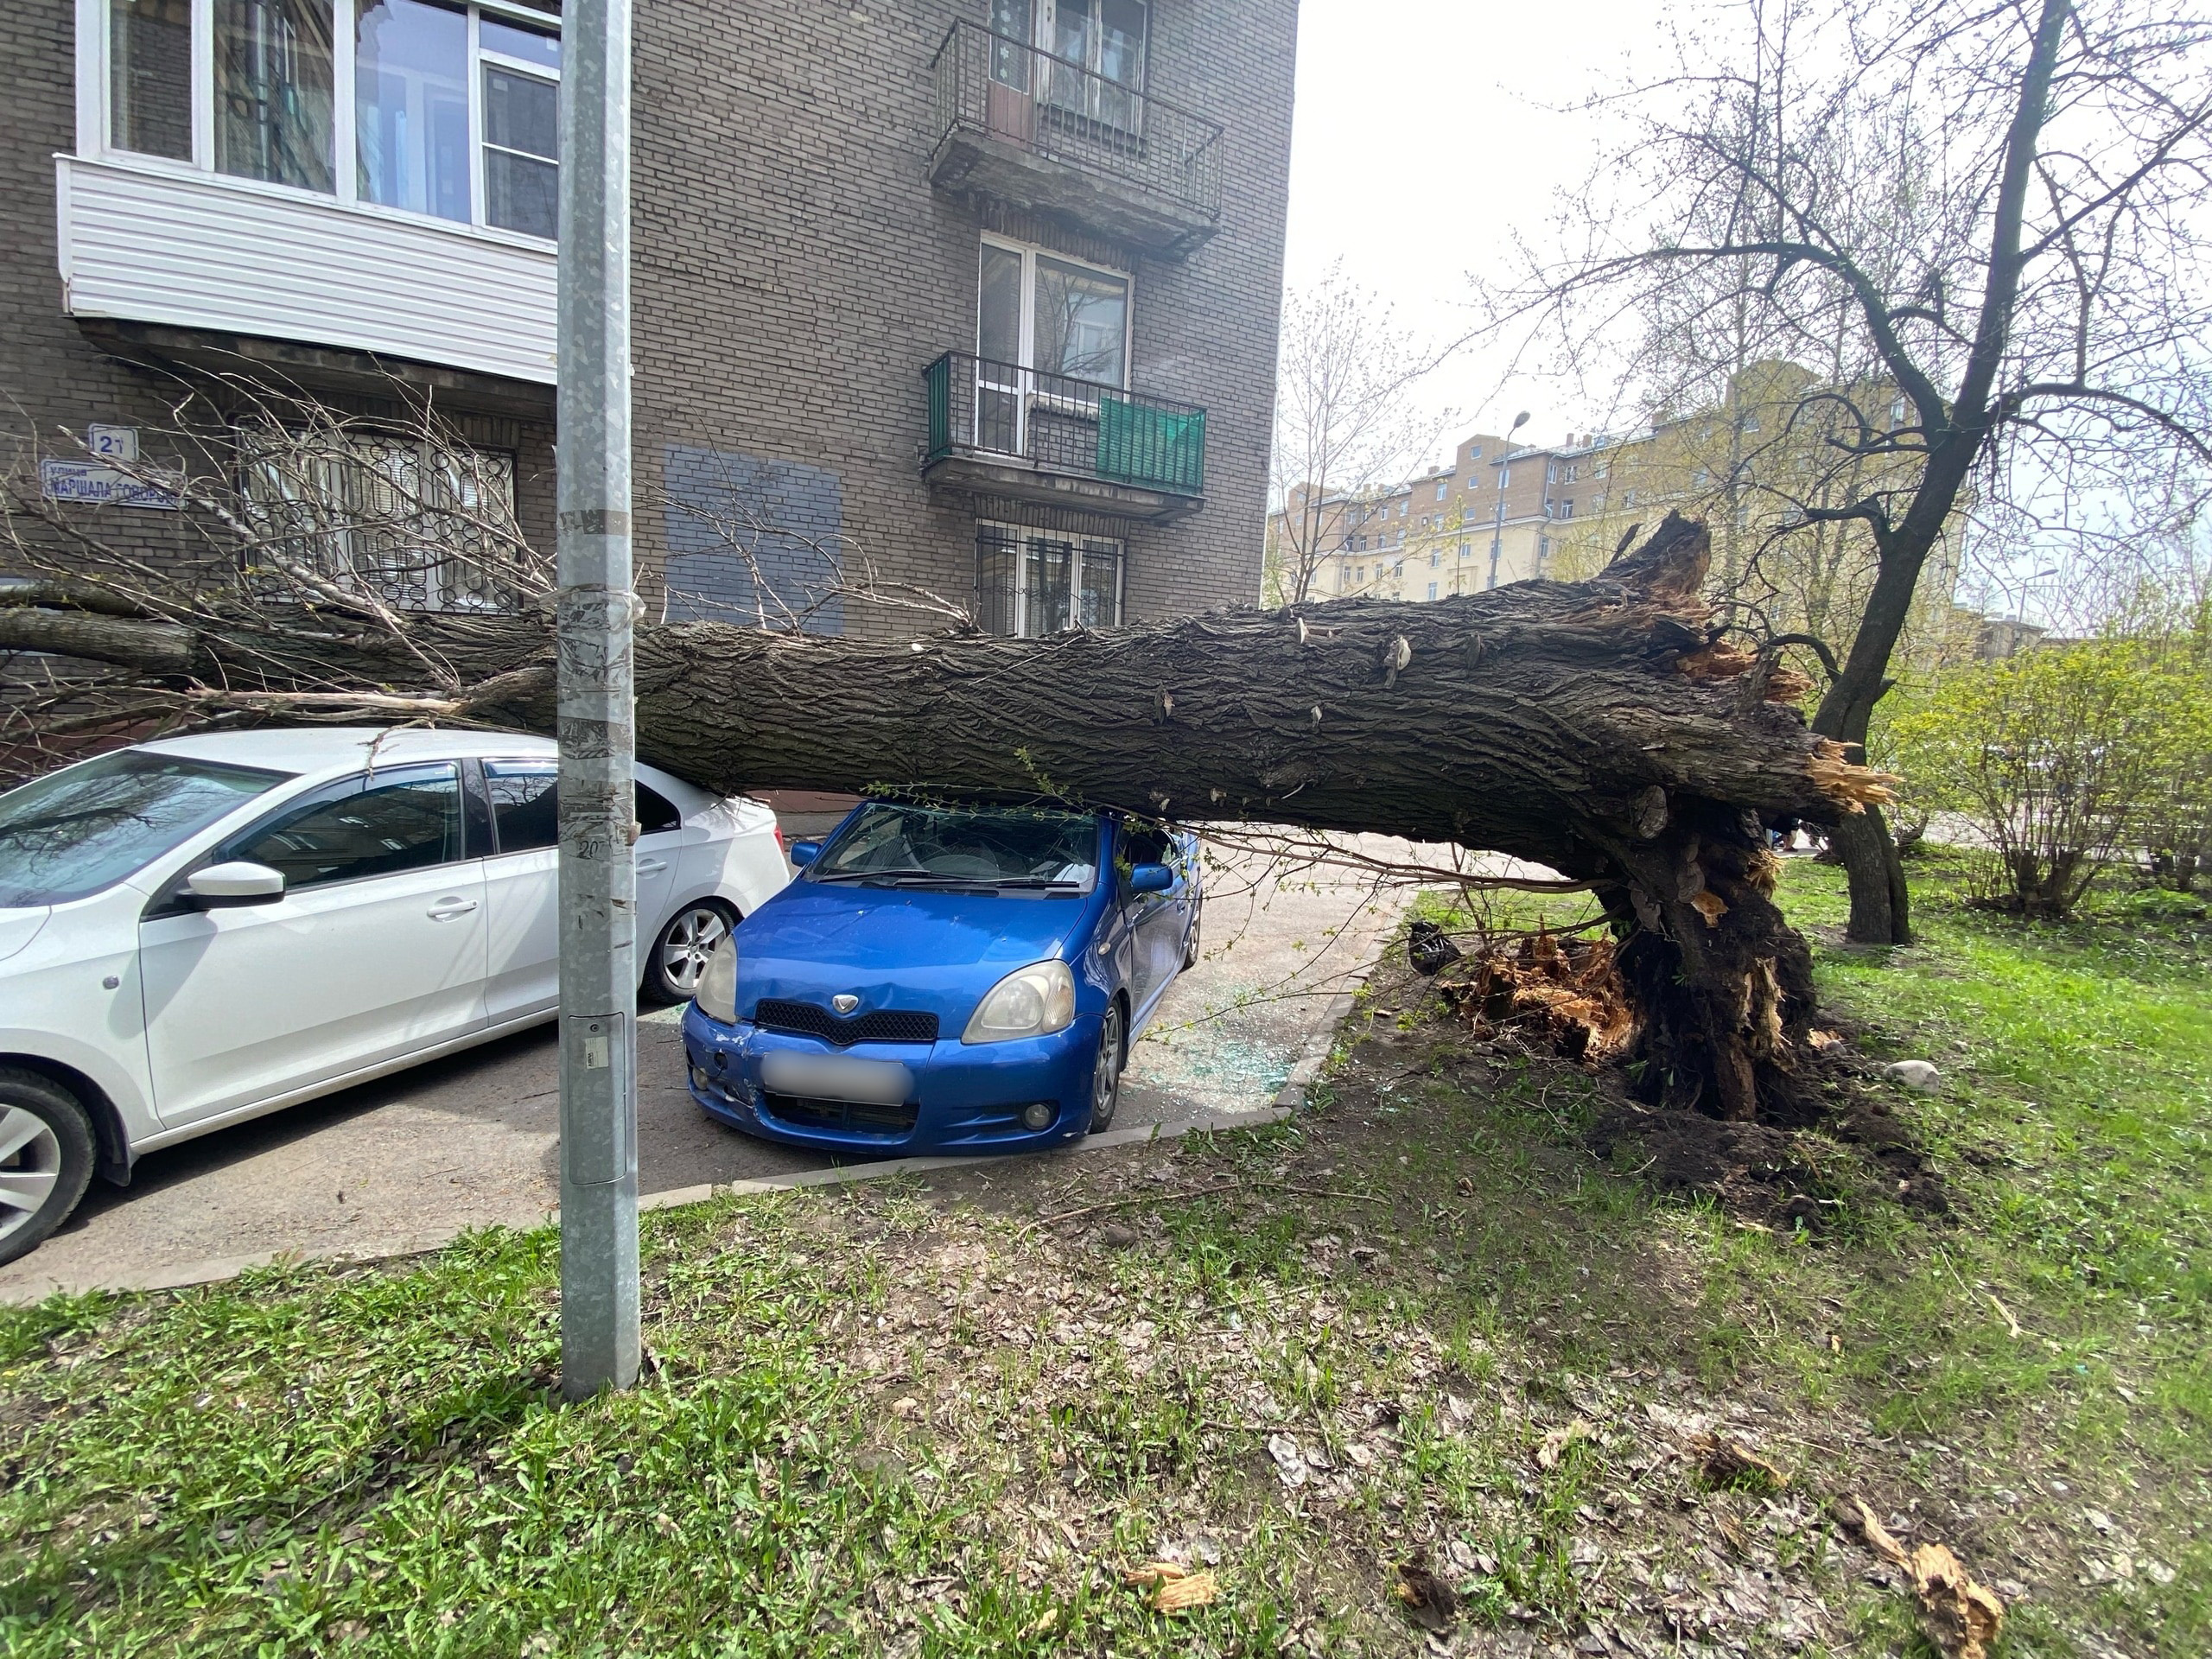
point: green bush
(2061, 755)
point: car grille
(883, 1026)
(846, 1116)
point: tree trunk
(1592, 727)
(1881, 904)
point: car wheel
(679, 955)
(1190, 950)
(45, 1160)
(1106, 1070)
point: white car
(197, 931)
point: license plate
(831, 1076)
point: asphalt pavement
(472, 1140)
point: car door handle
(652, 866)
(446, 909)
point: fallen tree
(1601, 728)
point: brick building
(982, 291)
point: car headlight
(1033, 1001)
(717, 993)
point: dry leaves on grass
(1724, 1458)
(1174, 1587)
(1553, 1445)
(1960, 1617)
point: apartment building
(1747, 466)
(1480, 521)
(983, 293)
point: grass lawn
(1420, 1321)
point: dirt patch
(1556, 1006)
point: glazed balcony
(1045, 133)
(999, 429)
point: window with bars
(1031, 582)
(419, 526)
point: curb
(1288, 1099)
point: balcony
(1045, 133)
(999, 429)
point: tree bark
(1594, 728)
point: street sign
(93, 485)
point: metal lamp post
(598, 806)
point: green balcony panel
(1160, 449)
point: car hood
(894, 948)
(19, 927)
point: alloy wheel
(687, 944)
(1106, 1072)
(30, 1164)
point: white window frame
(1020, 535)
(94, 20)
(1030, 252)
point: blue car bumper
(967, 1098)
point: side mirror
(1151, 878)
(220, 886)
(804, 853)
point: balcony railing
(1055, 424)
(998, 89)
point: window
(1105, 37)
(1505, 476)
(1567, 508)
(1897, 410)
(149, 77)
(273, 68)
(525, 805)
(1037, 310)
(1432, 556)
(424, 527)
(1431, 590)
(1474, 452)
(1598, 469)
(381, 823)
(78, 831)
(1405, 506)
(1031, 582)
(1543, 550)
(1441, 486)
(966, 845)
(449, 110)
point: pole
(598, 807)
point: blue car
(945, 979)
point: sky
(1427, 134)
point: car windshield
(929, 846)
(86, 827)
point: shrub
(2057, 753)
